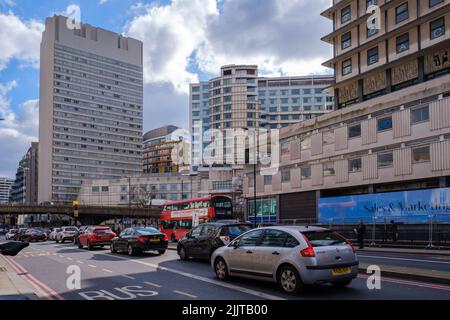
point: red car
(95, 237)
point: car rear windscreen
(324, 238)
(102, 230)
(70, 229)
(147, 231)
(235, 231)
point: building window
(401, 13)
(346, 14)
(267, 180)
(432, 3)
(105, 189)
(346, 40)
(420, 115)
(402, 43)
(305, 172)
(95, 189)
(355, 165)
(437, 28)
(371, 3)
(384, 124)
(372, 56)
(328, 169)
(385, 160)
(354, 131)
(286, 175)
(421, 154)
(347, 67)
(371, 32)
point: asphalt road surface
(48, 266)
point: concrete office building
(139, 190)
(5, 187)
(388, 145)
(25, 187)
(91, 108)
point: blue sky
(184, 41)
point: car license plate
(340, 271)
(153, 240)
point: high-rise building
(91, 108)
(5, 187)
(384, 154)
(240, 98)
(157, 152)
(24, 189)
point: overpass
(87, 215)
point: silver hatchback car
(292, 256)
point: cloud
(102, 2)
(17, 131)
(171, 33)
(20, 40)
(188, 39)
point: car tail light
(141, 239)
(308, 252)
(347, 241)
(165, 237)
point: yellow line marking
(152, 284)
(185, 294)
(92, 266)
(106, 270)
(128, 277)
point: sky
(185, 41)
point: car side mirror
(236, 244)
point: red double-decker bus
(179, 217)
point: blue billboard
(405, 206)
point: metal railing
(420, 231)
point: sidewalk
(12, 286)
(405, 250)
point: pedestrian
(360, 231)
(394, 231)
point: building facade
(91, 108)
(24, 189)
(157, 152)
(385, 151)
(140, 190)
(5, 187)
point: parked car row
(27, 235)
(292, 256)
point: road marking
(403, 259)
(61, 256)
(92, 266)
(107, 270)
(70, 259)
(80, 262)
(185, 294)
(128, 277)
(410, 283)
(203, 279)
(152, 284)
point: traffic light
(75, 209)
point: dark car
(137, 240)
(204, 239)
(34, 235)
(20, 235)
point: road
(115, 276)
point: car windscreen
(71, 229)
(235, 231)
(323, 238)
(13, 231)
(102, 231)
(147, 231)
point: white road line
(107, 270)
(204, 279)
(403, 259)
(185, 294)
(152, 284)
(128, 277)
(92, 266)
(80, 262)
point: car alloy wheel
(290, 281)
(182, 253)
(130, 250)
(221, 269)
